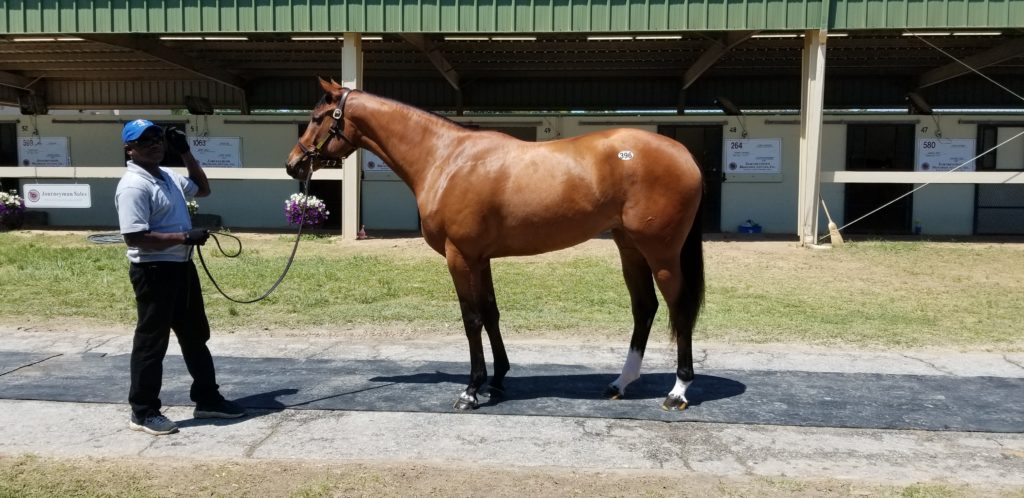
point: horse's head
(327, 139)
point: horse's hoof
(493, 393)
(612, 392)
(466, 402)
(673, 403)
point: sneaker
(154, 423)
(220, 409)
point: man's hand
(196, 236)
(177, 140)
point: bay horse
(484, 195)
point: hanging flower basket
(315, 210)
(12, 210)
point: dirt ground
(32, 476)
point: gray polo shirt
(146, 203)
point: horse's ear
(328, 86)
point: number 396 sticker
(626, 155)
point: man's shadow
(256, 405)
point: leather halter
(336, 130)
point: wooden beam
(948, 177)
(351, 184)
(712, 54)
(812, 98)
(16, 81)
(56, 70)
(152, 47)
(429, 47)
(992, 56)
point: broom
(833, 230)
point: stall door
(705, 143)
(879, 147)
(328, 191)
(999, 209)
(8, 152)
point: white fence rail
(86, 172)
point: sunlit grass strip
(870, 294)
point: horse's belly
(549, 234)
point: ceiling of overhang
(267, 70)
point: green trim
(38, 17)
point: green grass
(888, 294)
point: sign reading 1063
(217, 152)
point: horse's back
(521, 198)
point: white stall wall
(266, 142)
(939, 209)
(96, 141)
(944, 209)
(769, 200)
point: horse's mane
(426, 114)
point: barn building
(785, 103)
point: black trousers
(168, 297)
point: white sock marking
(679, 391)
(630, 370)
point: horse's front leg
(467, 276)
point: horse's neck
(410, 141)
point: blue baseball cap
(134, 129)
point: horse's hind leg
(668, 275)
(490, 314)
(468, 279)
(644, 303)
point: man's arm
(154, 241)
(196, 174)
(179, 142)
(159, 241)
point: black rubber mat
(989, 404)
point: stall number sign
(217, 152)
(945, 154)
(57, 196)
(753, 155)
(43, 151)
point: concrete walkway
(72, 429)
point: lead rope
(288, 265)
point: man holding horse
(156, 226)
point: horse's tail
(691, 259)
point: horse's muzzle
(298, 171)
(298, 165)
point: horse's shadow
(588, 386)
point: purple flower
(11, 203)
(305, 209)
